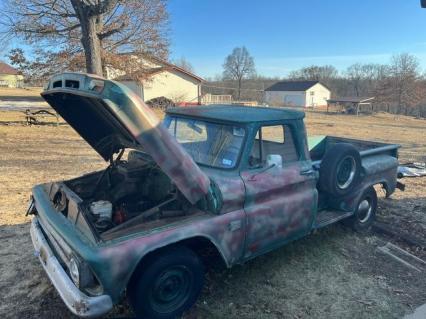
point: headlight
(81, 274)
(74, 271)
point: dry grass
(23, 93)
(407, 131)
(331, 274)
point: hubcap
(346, 172)
(171, 289)
(364, 210)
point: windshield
(211, 144)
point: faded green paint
(313, 141)
(262, 208)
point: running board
(328, 217)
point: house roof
(349, 99)
(293, 85)
(165, 66)
(177, 68)
(131, 76)
(7, 69)
(236, 114)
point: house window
(273, 140)
(312, 93)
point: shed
(9, 76)
(351, 104)
(297, 93)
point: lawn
(333, 273)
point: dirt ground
(26, 94)
(21, 98)
(333, 273)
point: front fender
(115, 261)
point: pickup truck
(236, 181)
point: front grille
(60, 251)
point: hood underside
(110, 117)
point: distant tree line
(398, 87)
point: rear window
(273, 140)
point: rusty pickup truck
(237, 181)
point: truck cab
(239, 181)
(265, 152)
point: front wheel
(365, 212)
(167, 285)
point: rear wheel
(365, 213)
(167, 285)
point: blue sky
(288, 34)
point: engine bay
(127, 193)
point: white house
(164, 79)
(9, 76)
(297, 93)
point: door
(281, 193)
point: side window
(273, 140)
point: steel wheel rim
(171, 289)
(364, 210)
(346, 172)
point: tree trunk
(92, 46)
(239, 89)
(89, 23)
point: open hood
(109, 116)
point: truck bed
(379, 162)
(318, 145)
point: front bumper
(77, 302)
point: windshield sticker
(226, 162)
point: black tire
(340, 170)
(167, 284)
(364, 215)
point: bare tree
(404, 72)
(100, 30)
(315, 73)
(362, 77)
(45, 63)
(238, 66)
(355, 75)
(184, 64)
(18, 59)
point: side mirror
(274, 159)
